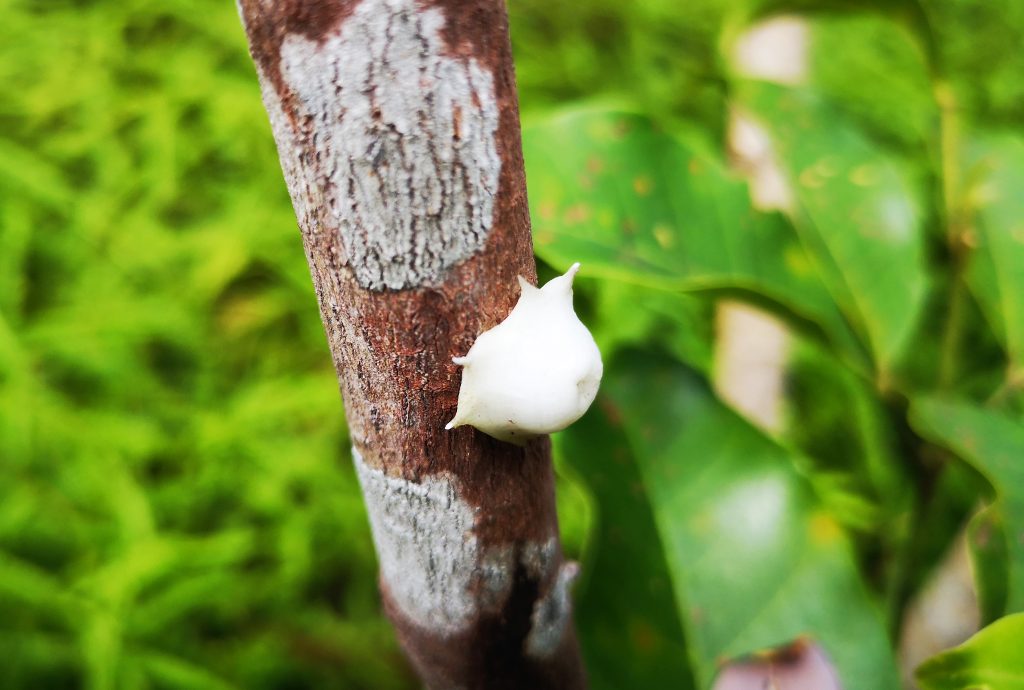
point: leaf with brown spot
(995, 268)
(755, 558)
(657, 212)
(802, 665)
(867, 241)
(624, 602)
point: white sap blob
(534, 373)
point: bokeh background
(177, 504)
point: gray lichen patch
(426, 546)
(495, 577)
(552, 614)
(408, 165)
(540, 557)
(436, 571)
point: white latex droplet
(534, 373)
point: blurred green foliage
(897, 267)
(990, 659)
(177, 508)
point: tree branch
(397, 126)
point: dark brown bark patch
(268, 22)
(496, 644)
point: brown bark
(415, 232)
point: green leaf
(756, 559)
(858, 213)
(624, 603)
(844, 427)
(20, 581)
(880, 78)
(625, 316)
(995, 272)
(994, 445)
(170, 671)
(636, 204)
(28, 172)
(991, 660)
(989, 561)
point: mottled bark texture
(397, 126)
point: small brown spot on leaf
(801, 665)
(664, 235)
(969, 238)
(610, 410)
(811, 178)
(577, 213)
(864, 175)
(824, 529)
(643, 636)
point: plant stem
(382, 111)
(953, 212)
(951, 334)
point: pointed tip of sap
(568, 277)
(454, 423)
(461, 361)
(563, 283)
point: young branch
(397, 126)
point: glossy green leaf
(991, 660)
(757, 561)
(634, 203)
(994, 445)
(857, 212)
(996, 267)
(881, 77)
(624, 604)
(624, 315)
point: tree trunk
(397, 126)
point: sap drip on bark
(534, 373)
